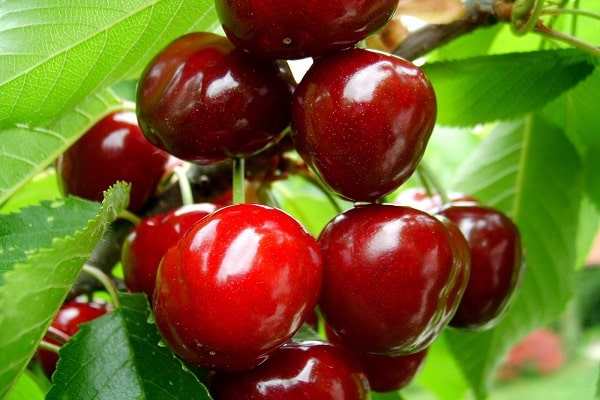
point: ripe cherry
(66, 322)
(391, 282)
(114, 149)
(361, 120)
(203, 100)
(238, 285)
(385, 373)
(269, 29)
(146, 244)
(496, 263)
(297, 371)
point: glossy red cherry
(238, 285)
(271, 29)
(385, 373)
(114, 149)
(496, 264)
(202, 100)
(417, 197)
(361, 120)
(297, 371)
(390, 279)
(66, 322)
(147, 243)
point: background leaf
(34, 291)
(498, 87)
(53, 90)
(118, 356)
(51, 219)
(530, 170)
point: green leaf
(118, 357)
(41, 187)
(33, 291)
(49, 220)
(53, 89)
(26, 150)
(500, 87)
(530, 170)
(89, 46)
(27, 388)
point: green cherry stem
(129, 216)
(106, 282)
(431, 183)
(187, 196)
(239, 176)
(49, 346)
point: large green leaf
(499, 87)
(51, 219)
(118, 356)
(57, 61)
(530, 170)
(33, 291)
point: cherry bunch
(232, 284)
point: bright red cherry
(66, 322)
(361, 120)
(496, 263)
(305, 28)
(148, 242)
(203, 100)
(385, 373)
(114, 149)
(390, 279)
(297, 371)
(239, 284)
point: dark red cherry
(390, 279)
(148, 241)
(304, 28)
(202, 100)
(297, 371)
(114, 149)
(361, 120)
(385, 373)
(238, 285)
(496, 264)
(66, 323)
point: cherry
(307, 370)
(417, 197)
(203, 100)
(236, 286)
(66, 322)
(114, 149)
(385, 373)
(361, 120)
(496, 263)
(391, 282)
(269, 29)
(145, 245)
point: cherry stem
(57, 334)
(49, 347)
(571, 40)
(106, 282)
(129, 216)
(330, 197)
(431, 183)
(185, 187)
(239, 175)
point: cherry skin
(238, 285)
(267, 28)
(310, 370)
(390, 279)
(114, 149)
(385, 373)
(147, 243)
(203, 100)
(496, 263)
(361, 120)
(66, 322)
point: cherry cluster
(232, 284)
